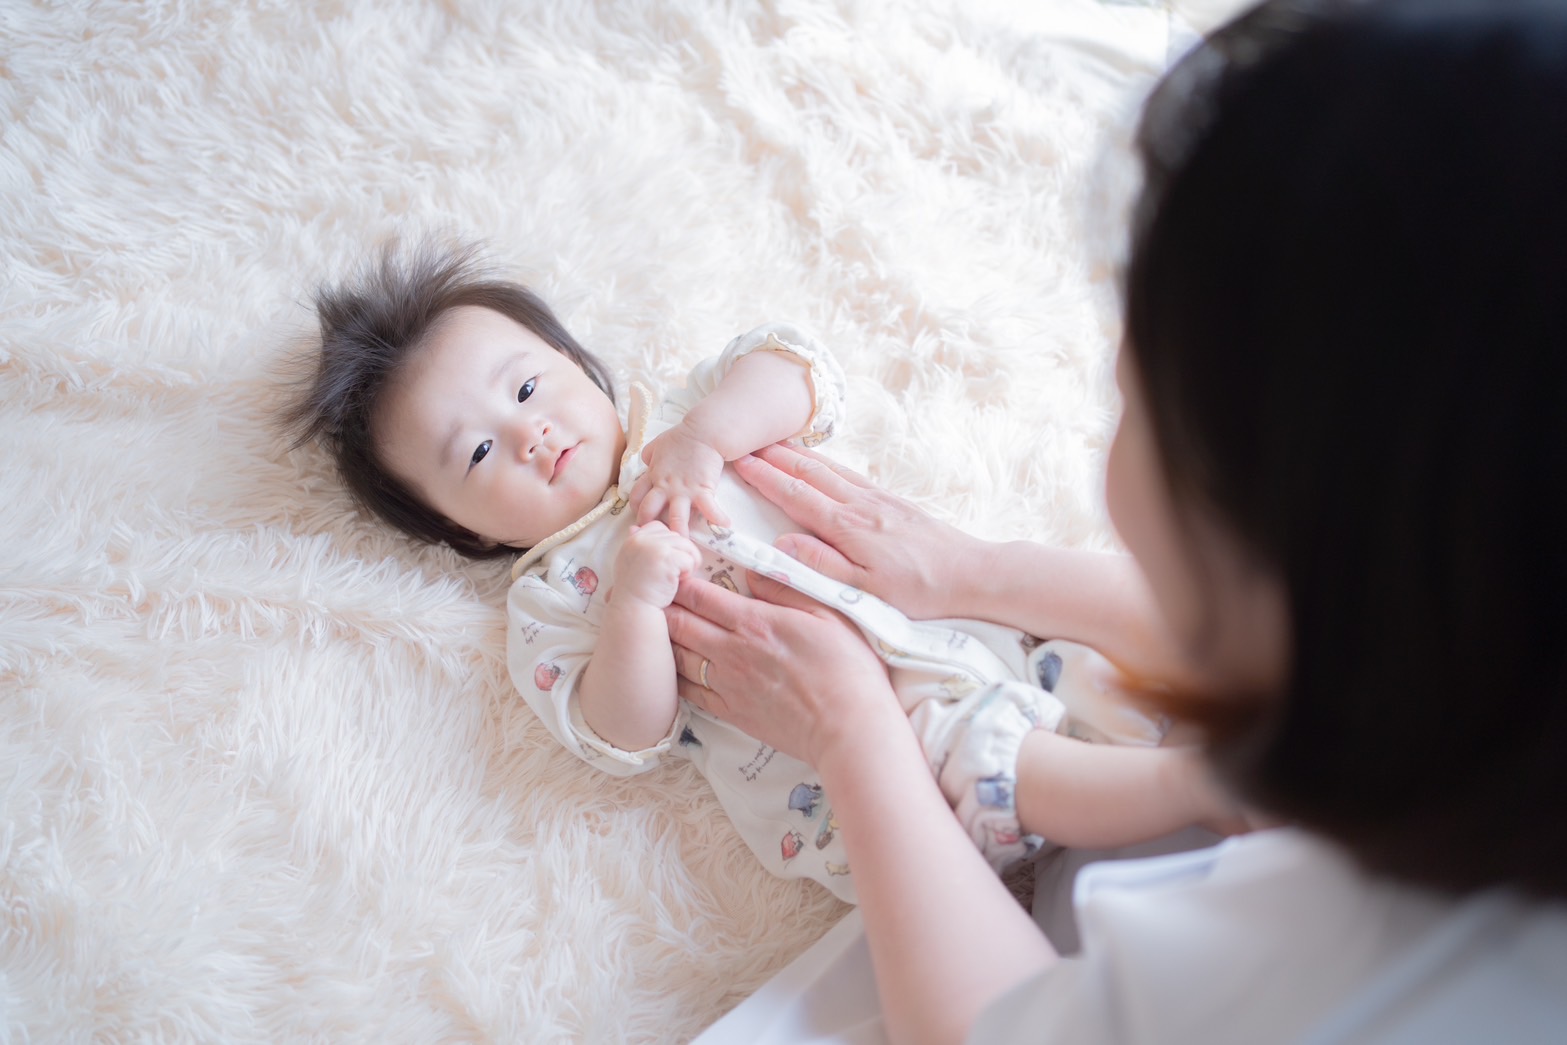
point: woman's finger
(799, 498)
(765, 589)
(705, 699)
(688, 665)
(695, 634)
(824, 473)
(819, 556)
(722, 610)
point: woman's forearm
(946, 938)
(1099, 599)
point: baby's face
(498, 431)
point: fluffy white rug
(263, 775)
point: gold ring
(702, 673)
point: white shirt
(1278, 936)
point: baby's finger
(706, 502)
(677, 550)
(638, 491)
(679, 514)
(694, 556)
(652, 505)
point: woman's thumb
(818, 555)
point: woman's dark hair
(371, 326)
(1346, 300)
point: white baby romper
(972, 688)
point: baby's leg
(973, 743)
(1098, 796)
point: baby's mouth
(562, 461)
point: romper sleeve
(824, 374)
(549, 643)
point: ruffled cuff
(826, 377)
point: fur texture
(263, 774)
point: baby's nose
(531, 437)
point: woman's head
(421, 352)
(1346, 321)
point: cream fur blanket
(263, 775)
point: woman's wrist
(967, 581)
(848, 737)
(867, 707)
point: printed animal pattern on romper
(995, 792)
(583, 579)
(1008, 836)
(804, 799)
(791, 846)
(956, 687)
(718, 572)
(1049, 671)
(886, 650)
(545, 676)
(828, 831)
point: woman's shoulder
(1279, 935)
(1494, 967)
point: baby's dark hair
(371, 326)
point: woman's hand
(682, 475)
(863, 536)
(781, 667)
(945, 936)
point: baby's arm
(765, 396)
(1097, 796)
(627, 694)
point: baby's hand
(651, 563)
(682, 474)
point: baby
(461, 411)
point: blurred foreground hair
(1345, 302)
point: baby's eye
(479, 452)
(526, 390)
